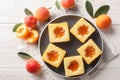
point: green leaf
(24, 55)
(102, 10)
(89, 8)
(28, 12)
(16, 26)
(57, 4)
(50, 8)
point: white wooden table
(12, 11)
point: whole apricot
(30, 21)
(42, 14)
(103, 21)
(67, 4)
(32, 66)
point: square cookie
(73, 65)
(53, 55)
(58, 32)
(82, 30)
(89, 51)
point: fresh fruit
(16, 26)
(32, 36)
(30, 21)
(22, 31)
(33, 66)
(42, 14)
(103, 21)
(67, 4)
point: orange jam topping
(59, 32)
(73, 66)
(52, 55)
(90, 51)
(83, 30)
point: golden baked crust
(65, 32)
(55, 51)
(89, 51)
(85, 28)
(71, 62)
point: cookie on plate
(53, 55)
(73, 65)
(82, 30)
(58, 32)
(89, 51)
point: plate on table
(70, 46)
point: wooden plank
(10, 45)
(22, 74)
(16, 74)
(14, 12)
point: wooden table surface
(12, 11)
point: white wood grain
(8, 74)
(10, 46)
(107, 74)
(12, 11)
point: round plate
(70, 46)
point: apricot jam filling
(90, 51)
(73, 66)
(83, 30)
(52, 55)
(59, 32)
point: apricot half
(22, 31)
(32, 36)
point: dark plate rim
(41, 33)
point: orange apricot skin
(103, 21)
(22, 31)
(32, 66)
(32, 37)
(42, 14)
(67, 4)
